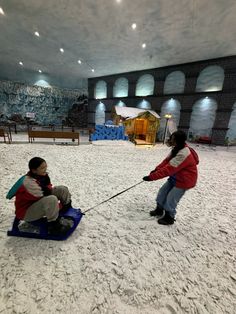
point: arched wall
(231, 134)
(121, 104)
(144, 104)
(173, 107)
(202, 117)
(211, 79)
(174, 83)
(145, 85)
(121, 87)
(100, 114)
(100, 90)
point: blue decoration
(109, 122)
(108, 132)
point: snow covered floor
(120, 260)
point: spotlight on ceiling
(92, 70)
(21, 63)
(61, 50)
(1, 11)
(134, 25)
(79, 61)
(40, 71)
(36, 34)
(144, 45)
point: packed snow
(119, 260)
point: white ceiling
(99, 33)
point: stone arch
(145, 85)
(121, 104)
(210, 79)
(121, 87)
(202, 118)
(100, 90)
(144, 104)
(173, 107)
(100, 114)
(231, 133)
(174, 83)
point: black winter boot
(157, 212)
(166, 220)
(57, 228)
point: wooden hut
(141, 125)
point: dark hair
(35, 162)
(180, 138)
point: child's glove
(146, 178)
(46, 191)
(46, 180)
(45, 184)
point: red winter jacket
(183, 168)
(29, 192)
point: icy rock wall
(50, 105)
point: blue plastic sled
(39, 228)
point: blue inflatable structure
(108, 132)
(39, 228)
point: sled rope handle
(83, 213)
(113, 197)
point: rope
(83, 213)
(112, 197)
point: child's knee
(61, 188)
(52, 199)
(65, 188)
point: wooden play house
(141, 125)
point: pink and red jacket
(27, 191)
(182, 168)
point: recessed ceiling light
(1, 11)
(92, 70)
(134, 25)
(21, 63)
(36, 34)
(40, 71)
(118, 1)
(61, 50)
(79, 61)
(143, 45)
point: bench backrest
(53, 134)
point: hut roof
(131, 113)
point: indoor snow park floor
(119, 260)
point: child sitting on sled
(37, 198)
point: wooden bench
(5, 135)
(52, 134)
